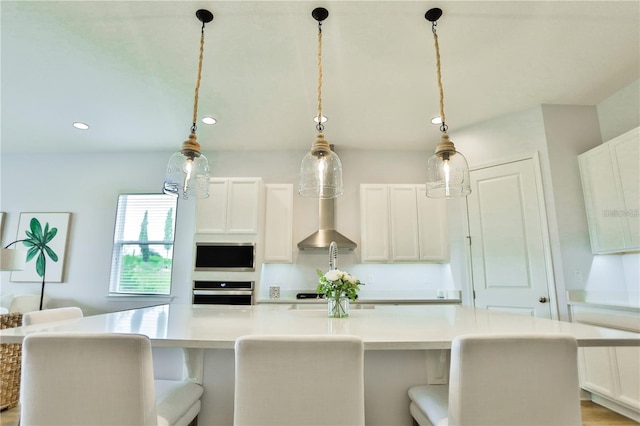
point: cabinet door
(211, 212)
(626, 154)
(374, 212)
(404, 223)
(601, 200)
(433, 227)
(278, 229)
(628, 362)
(611, 184)
(243, 206)
(597, 371)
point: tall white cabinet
(278, 232)
(400, 224)
(611, 184)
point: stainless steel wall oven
(223, 292)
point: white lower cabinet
(611, 374)
(400, 224)
(629, 376)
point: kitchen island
(404, 345)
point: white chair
(299, 380)
(508, 380)
(51, 315)
(27, 302)
(99, 379)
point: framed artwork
(52, 228)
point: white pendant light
(11, 260)
(447, 169)
(321, 169)
(188, 170)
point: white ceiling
(128, 69)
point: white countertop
(602, 299)
(380, 326)
(385, 301)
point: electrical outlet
(577, 275)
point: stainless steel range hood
(326, 233)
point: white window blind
(142, 257)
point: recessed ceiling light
(209, 120)
(324, 119)
(81, 126)
(436, 120)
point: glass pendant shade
(447, 169)
(321, 175)
(187, 175)
(188, 170)
(448, 175)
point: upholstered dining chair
(299, 380)
(508, 380)
(50, 315)
(27, 302)
(101, 379)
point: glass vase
(338, 307)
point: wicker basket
(10, 362)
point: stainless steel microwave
(225, 257)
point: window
(143, 244)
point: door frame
(542, 206)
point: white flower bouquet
(336, 283)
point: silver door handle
(543, 299)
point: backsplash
(410, 281)
(616, 274)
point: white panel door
(509, 249)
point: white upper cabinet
(278, 230)
(400, 224)
(233, 207)
(405, 233)
(374, 222)
(433, 227)
(611, 184)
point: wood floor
(592, 415)
(597, 415)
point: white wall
(569, 131)
(620, 112)
(87, 186)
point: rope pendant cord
(435, 38)
(197, 90)
(320, 76)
